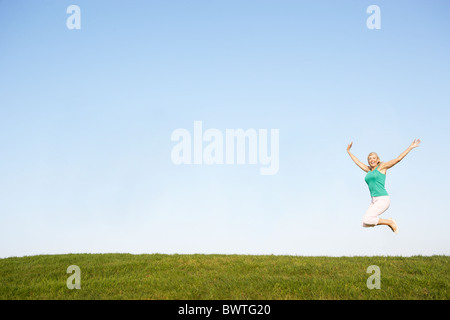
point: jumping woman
(375, 179)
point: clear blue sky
(86, 118)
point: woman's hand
(355, 159)
(349, 146)
(415, 143)
(390, 164)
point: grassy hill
(228, 277)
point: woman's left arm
(390, 164)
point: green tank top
(375, 180)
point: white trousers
(376, 208)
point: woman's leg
(376, 208)
(389, 222)
(370, 219)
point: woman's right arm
(358, 163)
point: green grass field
(228, 277)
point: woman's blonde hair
(379, 161)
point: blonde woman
(375, 179)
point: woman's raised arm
(358, 163)
(393, 162)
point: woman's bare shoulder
(381, 168)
